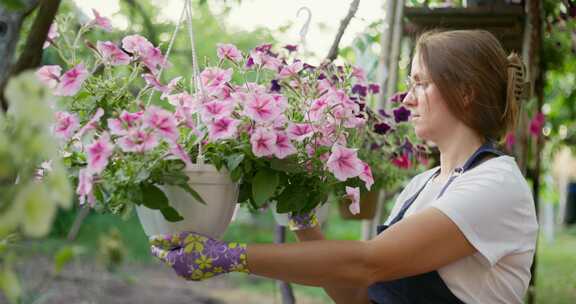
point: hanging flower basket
(211, 219)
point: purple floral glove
(196, 257)
(302, 221)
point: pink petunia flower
(265, 60)
(344, 163)
(101, 22)
(263, 142)
(213, 79)
(178, 150)
(536, 124)
(317, 109)
(138, 141)
(403, 161)
(180, 99)
(98, 153)
(324, 85)
(291, 70)
(66, 125)
(354, 195)
(91, 124)
(72, 80)
(228, 51)
(299, 131)
(215, 109)
(510, 141)
(262, 108)
(283, 146)
(52, 35)
(366, 176)
(112, 54)
(359, 74)
(152, 81)
(222, 128)
(136, 45)
(153, 59)
(161, 121)
(49, 75)
(85, 185)
(125, 122)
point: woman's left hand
(196, 257)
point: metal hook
(306, 26)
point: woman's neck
(456, 150)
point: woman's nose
(410, 99)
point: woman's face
(429, 113)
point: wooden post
(285, 288)
(537, 79)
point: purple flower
(401, 114)
(309, 66)
(291, 48)
(275, 86)
(398, 97)
(374, 88)
(360, 90)
(264, 48)
(321, 76)
(381, 128)
(383, 113)
(249, 62)
(407, 147)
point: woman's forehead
(417, 69)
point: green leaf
(153, 197)
(193, 192)
(234, 160)
(14, 5)
(291, 199)
(263, 186)
(236, 174)
(245, 193)
(171, 215)
(10, 285)
(288, 165)
(65, 255)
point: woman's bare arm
(420, 243)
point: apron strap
(472, 161)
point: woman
(464, 232)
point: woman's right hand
(302, 221)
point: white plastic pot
(212, 219)
(322, 213)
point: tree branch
(10, 24)
(31, 56)
(333, 53)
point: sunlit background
(280, 16)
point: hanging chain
(197, 83)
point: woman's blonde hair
(480, 84)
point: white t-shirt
(493, 207)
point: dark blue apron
(426, 288)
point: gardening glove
(196, 257)
(301, 221)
